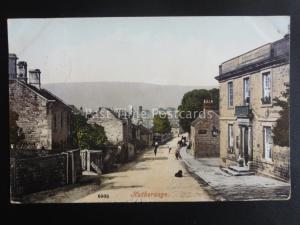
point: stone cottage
(43, 117)
(205, 138)
(118, 128)
(248, 85)
(116, 125)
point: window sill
(266, 105)
(230, 107)
(267, 162)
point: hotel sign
(243, 121)
(248, 58)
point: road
(150, 179)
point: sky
(160, 50)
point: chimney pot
(35, 78)
(22, 71)
(12, 66)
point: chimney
(207, 106)
(140, 113)
(22, 71)
(35, 78)
(12, 66)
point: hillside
(120, 94)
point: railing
(242, 111)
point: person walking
(177, 153)
(155, 148)
(169, 149)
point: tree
(16, 134)
(87, 136)
(192, 105)
(91, 137)
(214, 95)
(161, 124)
(281, 130)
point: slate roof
(45, 94)
(198, 119)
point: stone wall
(278, 168)
(37, 174)
(33, 116)
(204, 144)
(33, 174)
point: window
(246, 91)
(61, 120)
(230, 94)
(266, 99)
(230, 138)
(268, 141)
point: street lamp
(214, 131)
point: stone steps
(233, 172)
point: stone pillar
(250, 148)
(243, 141)
(250, 143)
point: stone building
(118, 129)
(205, 138)
(43, 117)
(142, 135)
(248, 84)
(117, 125)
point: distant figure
(155, 149)
(188, 144)
(179, 143)
(177, 153)
(169, 149)
(179, 173)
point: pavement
(234, 188)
